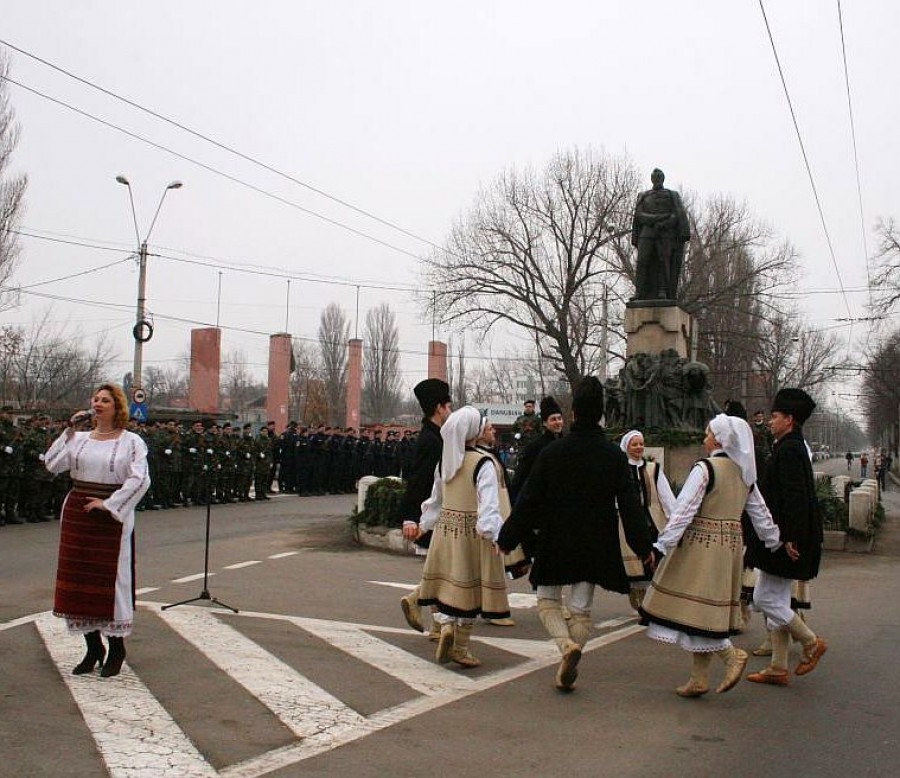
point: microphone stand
(204, 595)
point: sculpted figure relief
(659, 230)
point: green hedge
(835, 513)
(382, 505)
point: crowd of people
(204, 462)
(743, 534)
(585, 513)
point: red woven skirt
(89, 546)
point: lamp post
(143, 330)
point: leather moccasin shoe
(773, 678)
(811, 657)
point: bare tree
(735, 274)
(790, 354)
(881, 392)
(165, 386)
(334, 332)
(45, 368)
(886, 280)
(240, 388)
(535, 253)
(12, 189)
(381, 364)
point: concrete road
(319, 675)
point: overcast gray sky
(405, 109)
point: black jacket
(570, 500)
(788, 488)
(420, 482)
(525, 461)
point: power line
(225, 264)
(223, 146)
(862, 218)
(64, 278)
(211, 169)
(806, 160)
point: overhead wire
(210, 168)
(223, 264)
(223, 146)
(859, 197)
(806, 162)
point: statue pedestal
(654, 327)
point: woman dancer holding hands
(694, 598)
(657, 501)
(463, 575)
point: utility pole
(140, 333)
(143, 329)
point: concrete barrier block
(860, 508)
(362, 486)
(839, 485)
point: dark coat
(570, 499)
(425, 458)
(525, 461)
(789, 490)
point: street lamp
(143, 330)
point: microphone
(82, 416)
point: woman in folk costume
(95, 573)
(694, 598)
(516, 563)
(463, 575)
(657, 502)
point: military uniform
(10, 471)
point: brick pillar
(203, 392)
(354, 381)
(437, 359)
(278, 393)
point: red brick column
(354, 382)
(203, 391)
(278, 393)
(437, 359)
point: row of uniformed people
(27, 491)
(328, 460)
(203, 462)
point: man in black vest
(790, 492)
(434, 398)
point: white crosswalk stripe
(304, 707)
(135, 735)
(137, 738)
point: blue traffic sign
(138, 411)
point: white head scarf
(623, 444)
(736, 438)
(463, 424)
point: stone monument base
(654, 326)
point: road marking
(306, 709)
(517, 600)
(239, 565)
(134, 733)
(137, 738)
(420, 674)
(189, 578)
(146, 590)
(283, 554)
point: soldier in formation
(200, 462)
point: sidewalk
(887, 541)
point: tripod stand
(204, 595)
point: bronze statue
(659, 230)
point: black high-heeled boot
(94, 655)
(114, 659)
